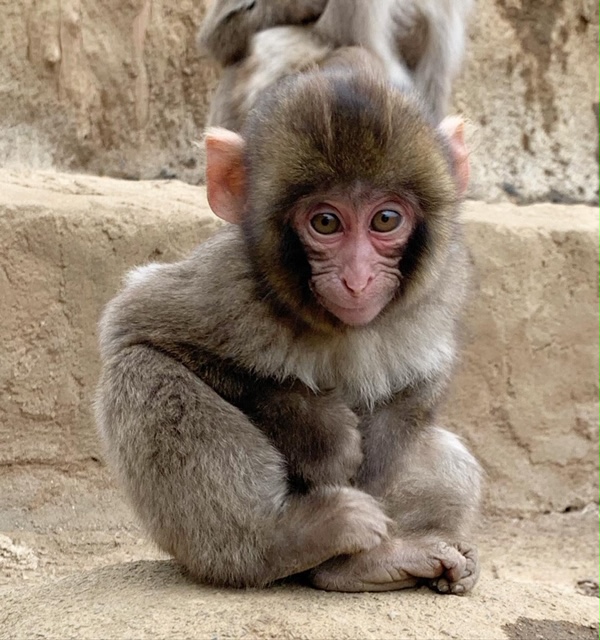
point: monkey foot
(449, 583)
(401, 564)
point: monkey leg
(433, 498)
(209, 487)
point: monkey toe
(395, 564)
(450, 582)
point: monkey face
(353, 247)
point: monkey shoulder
(207, 300)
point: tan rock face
(525, 398)
(111, 87)
(530, 88)
(65, 245)
(119, 88)
(526, 394)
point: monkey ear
(453, 129)
(225, 175)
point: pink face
(354, 250)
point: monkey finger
(453, 561)
(427, 559)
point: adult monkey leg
(229, 25)
(430, 485)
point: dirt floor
(74, 564)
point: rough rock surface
(74, 564)
(65, 244)
(525, 399)
(119, 88)
(108, 87)
(530, 88)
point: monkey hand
(333, 449)
(353, 520)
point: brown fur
(238, 413)
(359, 115)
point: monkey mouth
(353, 315)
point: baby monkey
(270, 402)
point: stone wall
(530, 88)
(118, 88)
(526, 398)
(103, 86)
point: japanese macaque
(418, 43)
(270, 402)
(229, 25)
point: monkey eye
(386, 220)
(325, 223)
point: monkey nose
(356, 286)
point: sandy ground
(74, 564)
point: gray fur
(210, 487)
(419, 43)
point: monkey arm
(207, 484)
(230, 24)
(228, 27)
(317, 433)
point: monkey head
(347, 195)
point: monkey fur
(257, 435)
(419, 43)
(230, 24)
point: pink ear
(225, 176)
(453, 129)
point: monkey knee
(457, 466)
(438, 488)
